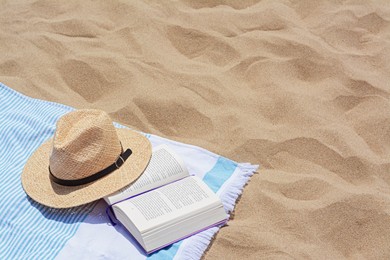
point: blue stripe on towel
(215, 178)
(27, 229)
(221, 171)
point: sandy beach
(300, 87)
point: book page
(164, 167)
(169, 203)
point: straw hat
(87, 159)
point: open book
(166, 204)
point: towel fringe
(237, 185)
(196, 245)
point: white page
(168, 203)
(164, 167)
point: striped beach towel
(29, 230)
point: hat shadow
(94, 213)
(67, 215)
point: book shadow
(126, 234)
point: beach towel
(29, 230)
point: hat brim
(37, 184)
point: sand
(300, 87)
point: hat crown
(85, 142)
